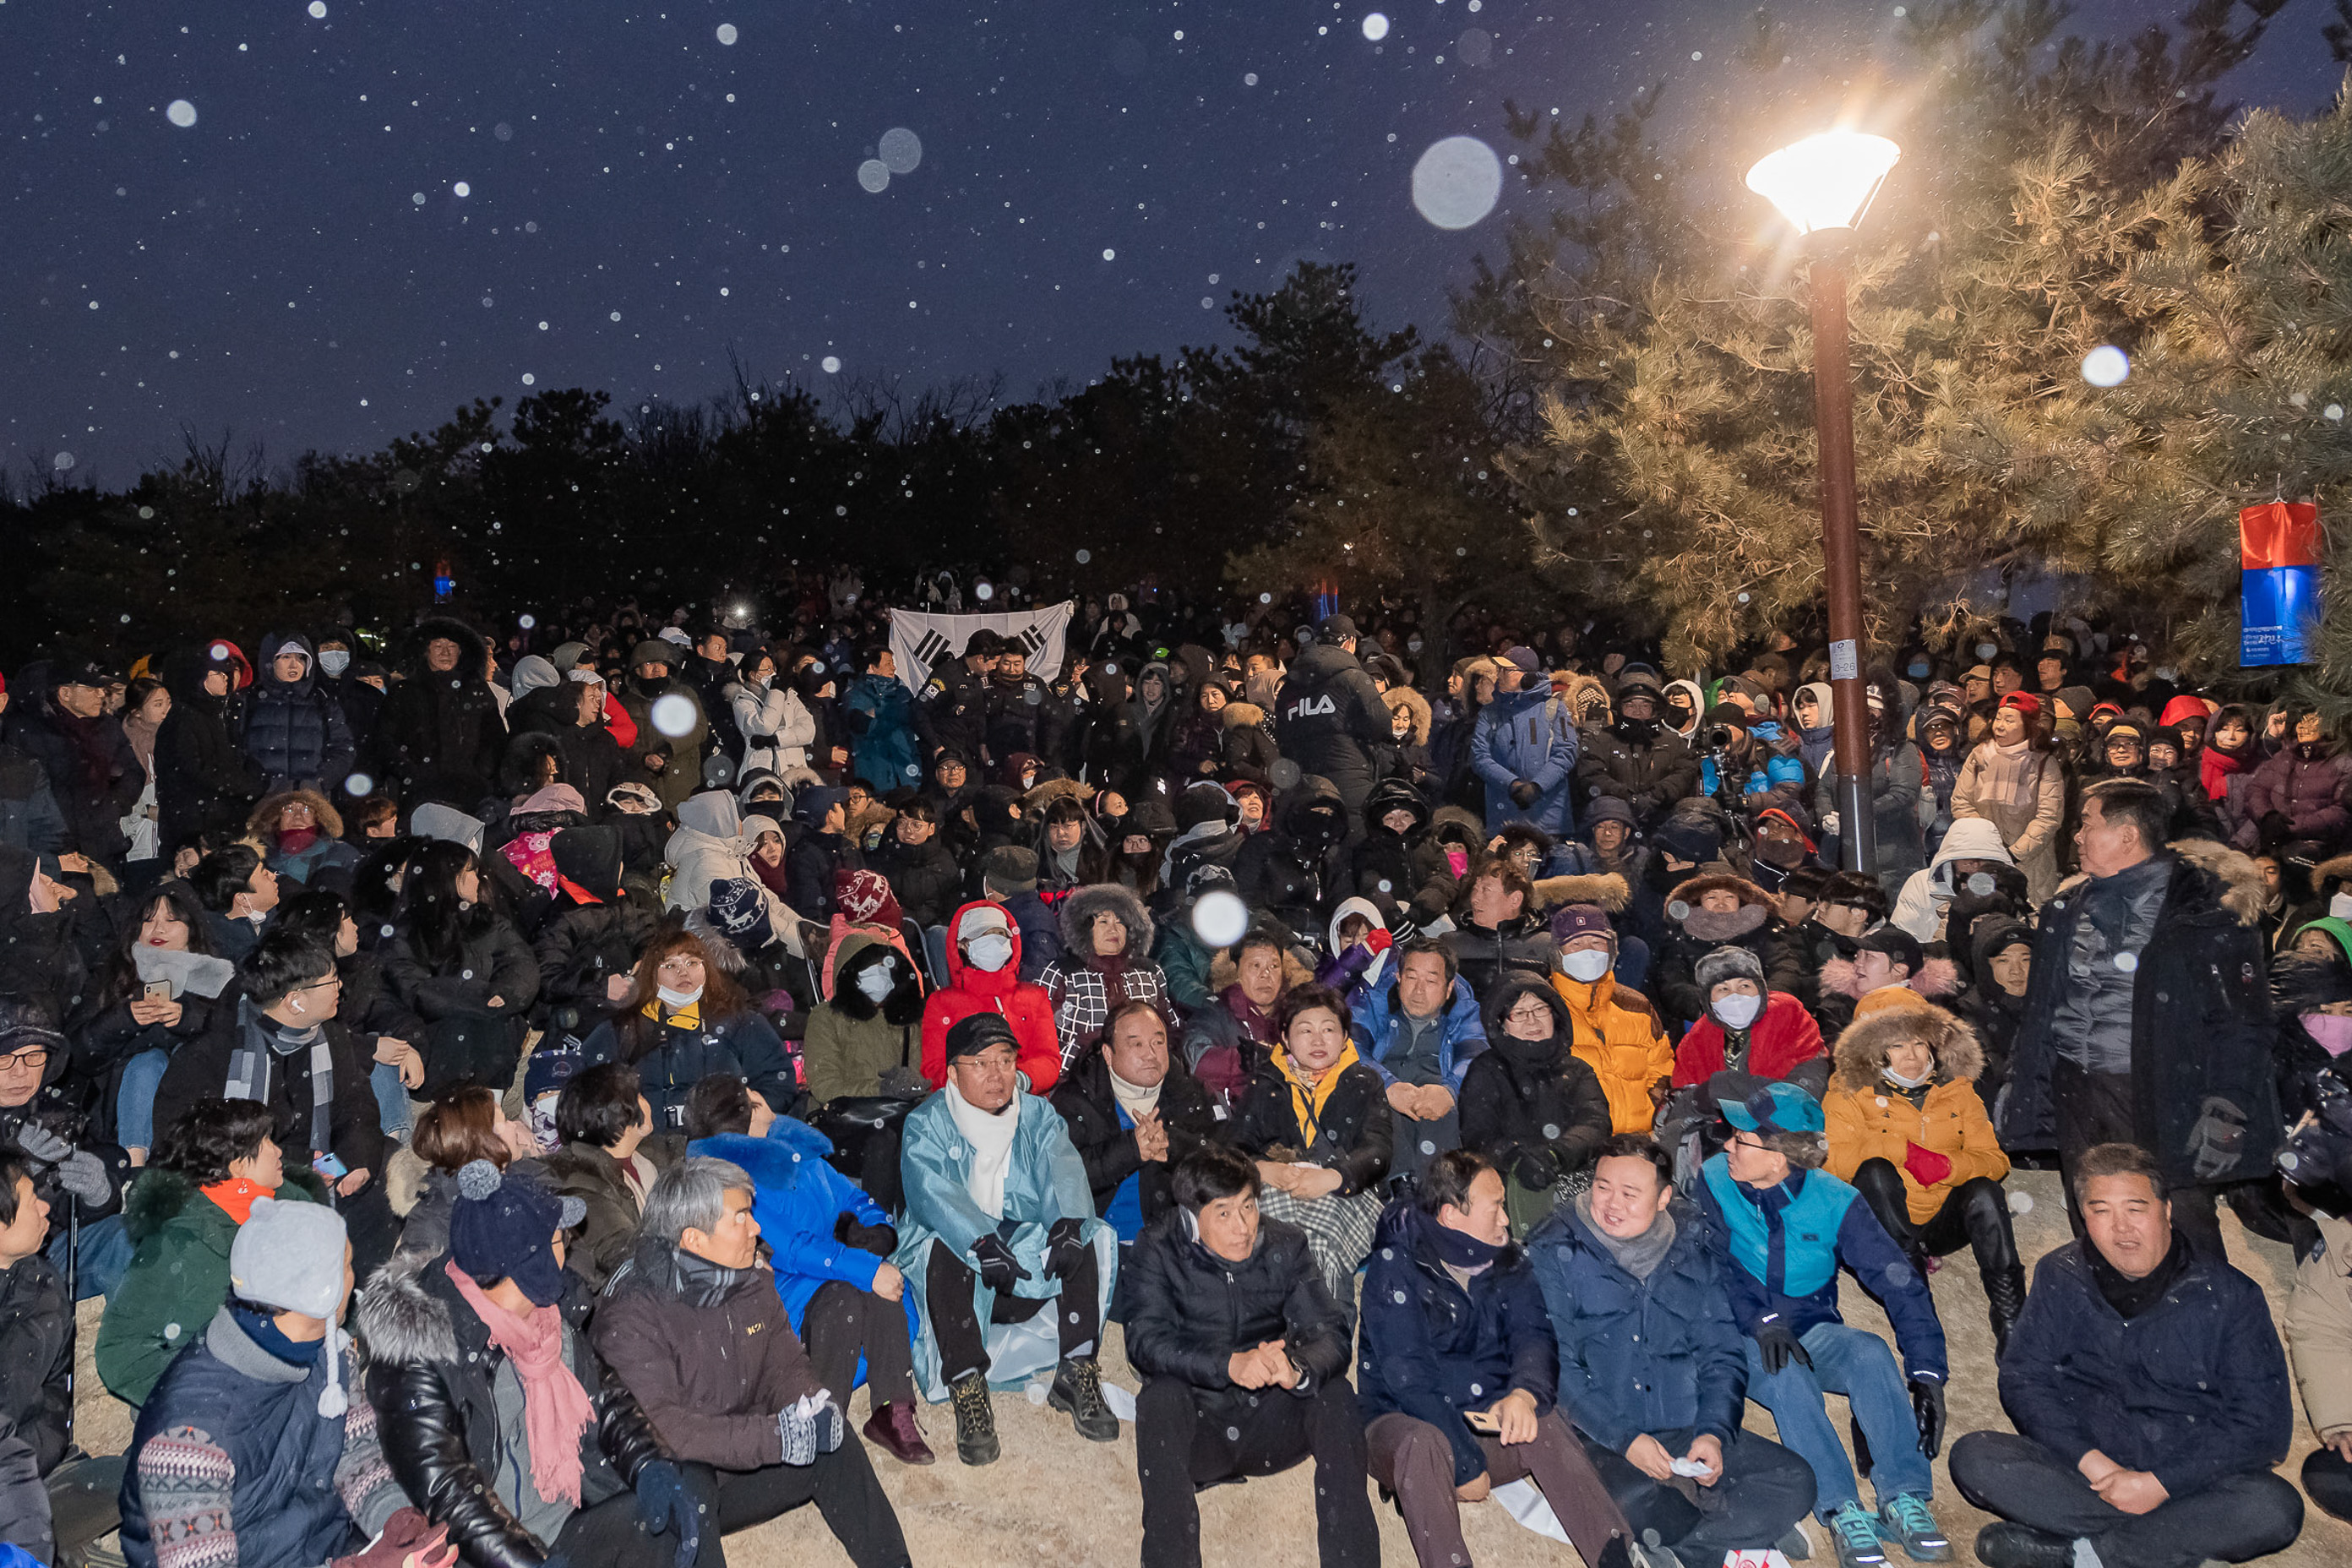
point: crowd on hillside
(510, 1091)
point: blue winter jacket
(2193, 1389)
(1779, 1250)
(884, 749)
(1432, 1350)
(1461, 1035)
(798, 1201)
(1652, 1355)
(1528, 735)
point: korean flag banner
(921, 642)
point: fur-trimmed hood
(1244, 715)
(1588, 699)
(399, 1319)
(1034, 803)
(263, 822)
(1080, 910)
(1406, 700)
(1453, 825)
(473, 651)
(1690, 889)
(1607, 888)
(1862, 1049)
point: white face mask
(334, 661)
(875, 982)
(1899, 1081)
(678, 998)
(1736, 1011)
(1586, 963)
(992, 952)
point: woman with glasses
(1528, 1105)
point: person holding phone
(1461, 1376)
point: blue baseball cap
(1776, 1108)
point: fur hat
(1727, 962)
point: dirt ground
(1055, 1498)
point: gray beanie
(289, 1256)
(1728, 963)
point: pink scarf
(555, 1409)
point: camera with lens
(2317, 1156)
(1718, 737)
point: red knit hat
(865, 896)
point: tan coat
(1868, 1119)
(2022, 792)
(2319, 1329)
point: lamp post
(1823, 185)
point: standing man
(2150, 1395)
(953, 711)
(440, 735)
(2148, 1016)
(1328, 717)
(671, 764)
(1525, 749)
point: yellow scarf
(1308, 1100)
(686, 1017)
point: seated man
(1781, 1228)
(256, 1445)
(1460, 1374)
(694, 1326)
(1652, 1369)
(36, 1345)
(1133, 1110)
(1244, 1361)
(829, 1245)
(2148, 1393)
(1419, 1032)
(42, 1121)
(1013, 1269)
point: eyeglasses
(31, 1059)
(1535, 1013)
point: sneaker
(1796, 1546)
(975, 1419)
(1853, 1530)
(892, 1428)
(2002, 1544)
(1906, 1521)
(1078, 1388)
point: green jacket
(849, 1041)
(1186, 962)
(178, 1279)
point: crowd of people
(509, 1099)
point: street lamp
(1823, 185)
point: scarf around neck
(1638, 1255)
(1308, 1100)
(990, 1137)
(2130, 1298)
(235, 1197)
(1137, 1101)
(556, 1408)
(252, 1066)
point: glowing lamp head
(1825, 180)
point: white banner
(919, 641)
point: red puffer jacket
(968, 990)
(1781, 1040)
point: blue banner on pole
(2278, 557)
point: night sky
(381, 209)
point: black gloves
(998, 1267)
(1524, 794)
(879, 1239)
(1779, 1347)
(1927, 1404)
(1535, 1170)
(664, 1503)
(1064, 1247)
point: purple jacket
(2310, 795)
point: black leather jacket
(429, 1375)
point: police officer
(953, 708)
(1024, 714)
(1328, 716)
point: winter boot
(2003, 1544)
(892, 1428)
(1078, 1388)
(2005, 1289)
(975, 1418)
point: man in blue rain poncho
(1013, 1270)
